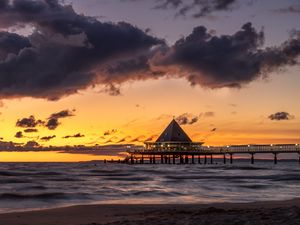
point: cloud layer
(68, 52)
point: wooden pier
(206, 154)
(174, 146)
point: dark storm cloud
(29, 122)
(79, 135)
(228, 60)
(19, 134)
(187, 119)
(47, 138)
(67, 51)
(281, 116)
(289, 9)
(11, 43)
(30, 130)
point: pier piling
(231, 158)
(224, 158)
(199, 159)
(252, 158)
(205, 159)
(186, 159)
(275, 158)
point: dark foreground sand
(269, 213)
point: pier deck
(139, 155)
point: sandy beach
(277, 212)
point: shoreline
(267, 212)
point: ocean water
(27, 186)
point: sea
(30, 186)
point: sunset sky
(228, 71)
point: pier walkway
(171, 156)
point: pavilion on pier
(173, 138)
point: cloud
(208, 114)
(151, 138)
(66, 52)
(53, 120)
(281, 116)
(138, 139)
(110, 132)
(123, 140)
(31, 144)
(227, 60)
(289, 9)
(47, 138)
(187, 119)
(19, 134)
(29, 122)
(195, 8)
(79, 135)
(30, 130)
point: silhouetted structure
(173, 138)
(174, 146)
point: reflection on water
(40, 185)
(51, 156)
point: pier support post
(186, 159)
(142, 160)
(205, 159)
(193, 159)
(231, 158)
(161, 159)
(169, 159)
(199, 159)
(275, 158)
(173, 159)
(131, 159)
(181, 159)
(252, 158)
(224, 158)
(153, 159)
(150, 159)
(211, 159)
(166, 159)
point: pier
(206, 154)
(175, 147)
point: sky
(117, 71)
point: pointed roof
(173, 133)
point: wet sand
(277, 212)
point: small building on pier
(173, 138)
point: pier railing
(230, 149)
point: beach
(273, 212)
